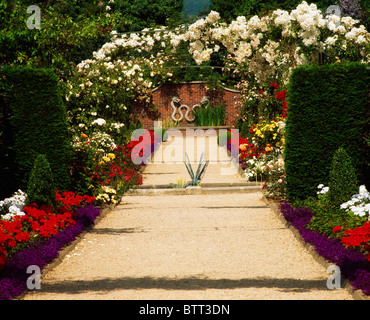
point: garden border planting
(14, 276)
(306, 238)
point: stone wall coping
(195, 82)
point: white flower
(331, 40)
(213, 17)
(323, 189)
(108, 8)
(363, 191)
(360, 39)
(13, 206)
(99, 122)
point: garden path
(197, 246)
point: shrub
(37, 123)
(342, 178)
(327, 110)
(41, 189)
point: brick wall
(190, 94)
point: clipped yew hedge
(35, 123)
(328, 109)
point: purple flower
(353, 264)
(13, 278)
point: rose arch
(252, 53)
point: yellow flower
(106, 159)
(111, 155)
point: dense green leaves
(342, 178)
(70, 31)
(142, 14)
(37, 123)
(41, 189)
(327, 110)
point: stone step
(193, 190)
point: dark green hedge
(36, 123)
(327, 109)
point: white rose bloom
(99, 122)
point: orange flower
(83, 135)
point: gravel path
(189, 247)
(209, 246)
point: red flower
(23, 236)
(337, 228)
(274, 85)
(281, 95)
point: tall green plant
(41, 188)
(37, 123)
(343, 181)
(327, 110)
(210, 115)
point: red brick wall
(190, 93)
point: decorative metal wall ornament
(178, 109)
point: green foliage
(327, 110)
(342, 178)
(210, 115)
(37, 123)
(230, 10)
(41, 189)
(327, 216)
(69, 32)
(141, 14)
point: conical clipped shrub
(343, 182)
(41, 188)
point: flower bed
(13, 277)
(352, 263)
(108, 174)
(34, 235)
